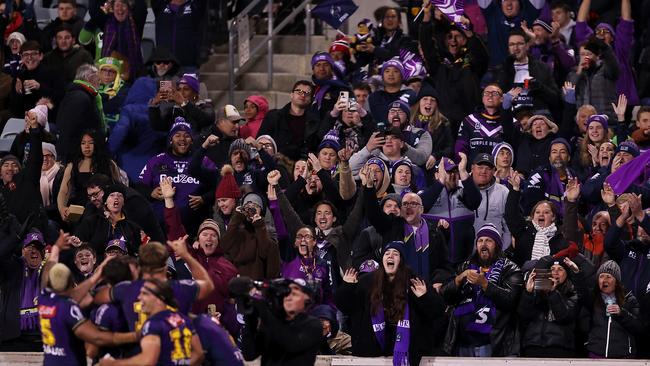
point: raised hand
(620, 107)
(210, 141)
(442, 174)
(345, 154)
(363, 175)
(530, 283)
(418, 287)
(571, 264)
(273, 177)
(573, 190)
(607, 194)
(178, 246)
(593, 151)
(431, 162)
(166, 188)
(375, 141)
(350, 276)
(314, 162)
(515, 180)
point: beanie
(391, 197)
(562, 141)
(255, 198)
(551, 125)
(608, 27)
(268, 137)
(18, 36)
(240, 144)
(547, 27)
(114, 188)
(490, 231)
(427, 90)
(340, 45)
(190, 80)
(209, 224)
(612, 268)
(331, 140)
(179, 125)
(40, 110)
(322, 56)
(49, 147)
(598, 118)
(403, 106)
(397, 245)
(394, 62)
(629, 147)
(502, 145)
(227, 187)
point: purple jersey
(219, 347)
(176, 167)
(126, 293)
(109, 317)
(59, 316)
(175, 331)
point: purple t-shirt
(176, 167)
(109, 317)
(175, 331)
(58, 317)
(125, 294)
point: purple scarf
(418, 259)
(402, 338)
(629, 173)
(28, 294)
(421, 239)
(480, 311)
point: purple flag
(413, 64)
(634, 171)
(453, 9)
(334, 12)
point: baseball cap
(230, 113)
(484, 158)
(34, 237)
(116, 243)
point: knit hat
(209, 224)
(593, 46)
(397, 245)
(551, 125)
(377, 161)
(34, 237)
(563, 141)
(16, 35)
(59, 277)
(598, 118)
(117, 243)
(331, 140)
(394, 62)
(49, 147)
(608, 27)
(404, 106)
(10, 157)
(240, 144)
(384, 169)
(391, 197)
(629, 147)
(498, 147)
(547, 27)
(322, 56)
(612, 268)
(190, 80)
(427, 90)
(40, 110)
(449, 164)
(340, 45)
(227, 187)
(490, 231)
(398, 163)
(110, 63)
(114, 188)
(179, 125)
(268, 137)
(253, 198)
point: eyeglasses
(602, 31)
(411, 204)
(302, 92)
(304, 237)
(491, 94)
(28, 54)
(95, 195)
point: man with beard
(484, 294)
(493, 197)
(453, 197)
(175, 164)
(631, 255)
(549, 182)
(425, 246)
(294, 127)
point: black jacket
(68, 63)
(11, 277)
(280, 342)
(78, 112)
(52, 86)
(97, 231)
(180, 31)
(275, 125)
(198, 115)
(49, 32)
(505, 293)
(353, 299)
(545, 93)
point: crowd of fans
(474, 188)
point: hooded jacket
(633, 256)
(253, 125)
(492, 210)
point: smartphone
(344, 96)
(352, 104)
(166, 85)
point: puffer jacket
(493, 209)
(505, 294)
(253, 125)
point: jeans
(481, 351)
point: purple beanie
(322, 56)
(598, 118)
(393, 63)
(190, 80)
(608, 27)
(490, 231)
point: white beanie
(16, 35)
(41, 114)
(49, 147)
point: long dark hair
(390, 295)
(100, 160)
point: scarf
(124, 38)
(98, 100)
(323, 86)
(47, 179)
(633, 172)
(480, 311)
(28, 294)
(418, 259)
(542, 236)
(422, 121)
(402, 337)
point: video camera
(272, 292)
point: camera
(381, 128)
(271, 292)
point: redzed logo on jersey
(47, 312)
(175, 320)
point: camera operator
(291, 337)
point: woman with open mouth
(392, 312)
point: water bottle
(608, 302)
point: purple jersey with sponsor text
(175, 331)
(59, 316)
(176, 167)
(126, 293)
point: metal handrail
(233, 71)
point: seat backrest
(13, 127)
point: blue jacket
(133, 141)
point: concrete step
(276, 99)
(286, 44)
(287, 63)
(252, 81)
